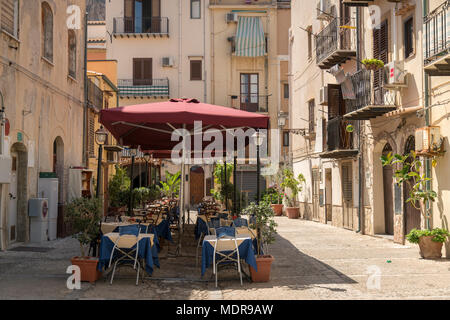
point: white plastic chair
(225, 247)
(122, 243)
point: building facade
(42, 84)
(348, 116)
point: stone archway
(18, 221)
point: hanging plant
(373, 64)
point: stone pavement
(312, 261)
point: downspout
(360, 158)
(84, 153)
(427, 118)
(180, 43)
(205, 77)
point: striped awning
(250, 39)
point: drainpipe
(84, 153)
(427, 120)
(360, 158)
(180, 43)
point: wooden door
(315, 193)
(388, 200)
(12, 218)
(197, 185)
(412, 215)
(347, 195)
(380, 52)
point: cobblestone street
(312, 261)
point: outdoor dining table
(148, 250)
(245, 247)
(162, 228)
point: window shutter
(137, 71)
(334, 92)
(142, 71)
(311, 115)
(196, 70)
(91, 135)
(147, 71)
(380, 50)
(7, 17)
(347, 187)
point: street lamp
(259, 140)
(101, 135)
(133, 153)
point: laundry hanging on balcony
(250, 38)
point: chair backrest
(143, 228)
(240, 222)
(214, 223)
(129, 230)
(225, 231)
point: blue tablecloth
(200, 227)
(163, 230)
(245, 252)
(146, 252)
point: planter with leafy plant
(118, 191)
(295, 185)
(420, 196)
(224, 187)
(265, 226)
(85, 215)
(274, 196)
(430, 241)
(171, 187)
(373, 64)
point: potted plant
(171, 187)
(430, 241)
(295, 186)
(84, 215)
(118, 191)
(409, 171)
(373, 64)
(273, 196)
(266, 229)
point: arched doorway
(197, 185)
(412, 215)
(18, 222)
(388, 194)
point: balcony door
(347, 195)
(249, 92)
(380, 52)
(142, 71)
(142, 16)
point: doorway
(197, 185)
(315, 193)
(328, 195)
(347, 195)
(388, 194)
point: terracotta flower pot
(430, 249)
(293, 213)
(263, 264)
(277, 209)
(88, 268)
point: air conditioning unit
(323, 99)
(428, 141)
(395, 75)
(231, 17)
(324, 10)
(167, 61)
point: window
(249, 92)
(309, 30)
(286, 139)
(10, 17)
(311, 106)
(142, 71)
(47, 31)
(408, 33)
(142, 16)
(195, 9)
(72, 50)
(286, 90)
(380, 51)
(196, 69)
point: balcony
(436, 30)
(250, 103)
(141, 27)
(370, 99)
(156, 88)
(95, 96)
(339, 141)
(336, 43)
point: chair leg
(114, 270)
(216, 274)
(240, 272)
(137, 277)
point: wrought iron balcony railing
(335, 43)
(365, 96)
(337, 136)
(144, 25)
(250, 102)
(95, 95)
(144, 87)
(436, 35)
